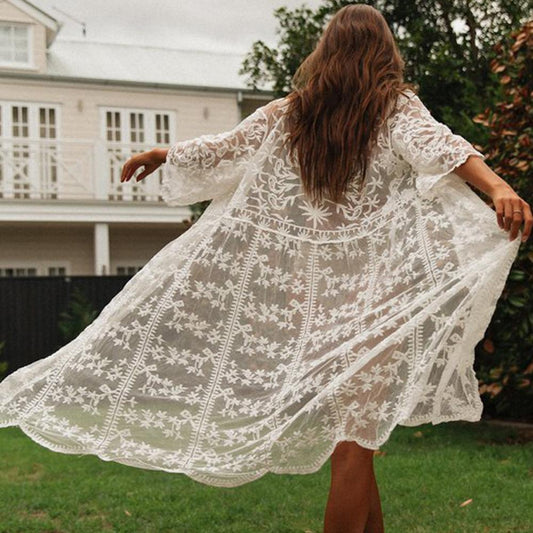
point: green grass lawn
(424, 475)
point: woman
(334, 288)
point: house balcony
(62, 205)
(78, 180)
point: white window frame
(19, 264)
(30, 64)
(126, 264)
(40, 266)
(33, 106)
(6, 129)
(150, 187)
(45, 265)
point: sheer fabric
(274, 328)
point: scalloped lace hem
(241, 478)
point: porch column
(101, 249)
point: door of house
(28, 150)
(126, 132)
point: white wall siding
(41, 245)
(196, 113)
(72, 245)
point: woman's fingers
(498, 205)
(143, 159)
(510, 213)
(517, 212)
(124, 171)
(144, 173)
(130, 167)
(528, 221)
(516, 220)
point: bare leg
(353, 503)
(374, 523)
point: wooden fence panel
(30, 309)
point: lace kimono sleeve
(430, 147)
(211, 165)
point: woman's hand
(150, 160)
(511, 211)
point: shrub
(504, 358)
(78, 316)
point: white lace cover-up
(274, 328)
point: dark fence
(30, 309)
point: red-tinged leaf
(494, 389)
(529, 368)
(495, 373)
(518, 44)
(488, 346)
(523, 383)
(480, 119)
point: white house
(71, 113)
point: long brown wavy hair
(343, 91)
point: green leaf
(517, 275)
(516, 301)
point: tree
(504, 358)
(450, 64)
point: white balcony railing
(72, 170)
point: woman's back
(257, 179)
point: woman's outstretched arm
(480, 175)
(511, 210)
(160, 154)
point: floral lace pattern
(274, 328)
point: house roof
(93, 61)
(149, 64)
(52, 26)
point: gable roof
(51, 25)
(103, 62)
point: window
(17, 272)
(34, 268)
(57, 271)
(15, 44)
(29, 152)
(130, 131)
(127, 270)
